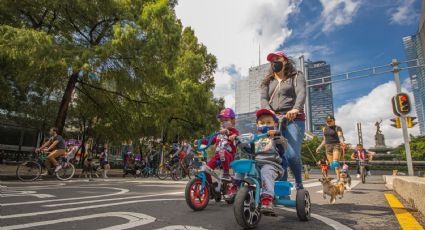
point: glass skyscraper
(411, 49)
(320, 96)
(414, 47)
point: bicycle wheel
(363, 174)
(162, 172)
(177, 173)
(28, 171)
(66, 172)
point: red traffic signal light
(402, 103)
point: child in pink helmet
(225, 148)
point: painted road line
(181, 227)
(354, 183)
(121, 191)
(13, 193)
(334, 224)
(85, 208)
(112, 199)
(404, 217)
(135, 220)
(161, 185)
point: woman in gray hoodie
(283, 91)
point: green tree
(417, 148)
(155, 77)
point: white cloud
(307, 50)
(368, 109)
(233, 31)
(404, 13)
(338, 12)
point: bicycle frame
(251, 174)
(201, 174)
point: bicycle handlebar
(210, 138)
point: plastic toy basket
(243, 166)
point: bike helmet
(227, 113)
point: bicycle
(363, 173)
(198, 191)
(167, 170)
(148, 171)
(32, 170)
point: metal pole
(307, 95)
(396, 71)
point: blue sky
(371, 39)
(348, 34)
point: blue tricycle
(198, 191)
(247, 206)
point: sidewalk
(8, 172)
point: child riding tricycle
(260, 188)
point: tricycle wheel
(303, 205)
(195, 197)
(245, 209)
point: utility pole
(396, 71)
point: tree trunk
(66, 99)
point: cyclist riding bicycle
(362, 154)
(55, 147)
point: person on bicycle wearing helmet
(225, 147)
(56, 148)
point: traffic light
(410, 122)
(402, 103)
(393, 103)
(396, 122)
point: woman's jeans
(294, 132)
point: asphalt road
(153, 204)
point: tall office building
(414, 47)
(416, 78)
(320, 96)
(247, 98)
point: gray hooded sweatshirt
(290, 94)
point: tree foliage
(417, 148)
(154, 77)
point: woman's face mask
(277, 66)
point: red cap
(274, 54)
(265, 111)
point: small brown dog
(332, 189)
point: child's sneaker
(358, 176)
(231, 191)
(267, 205)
